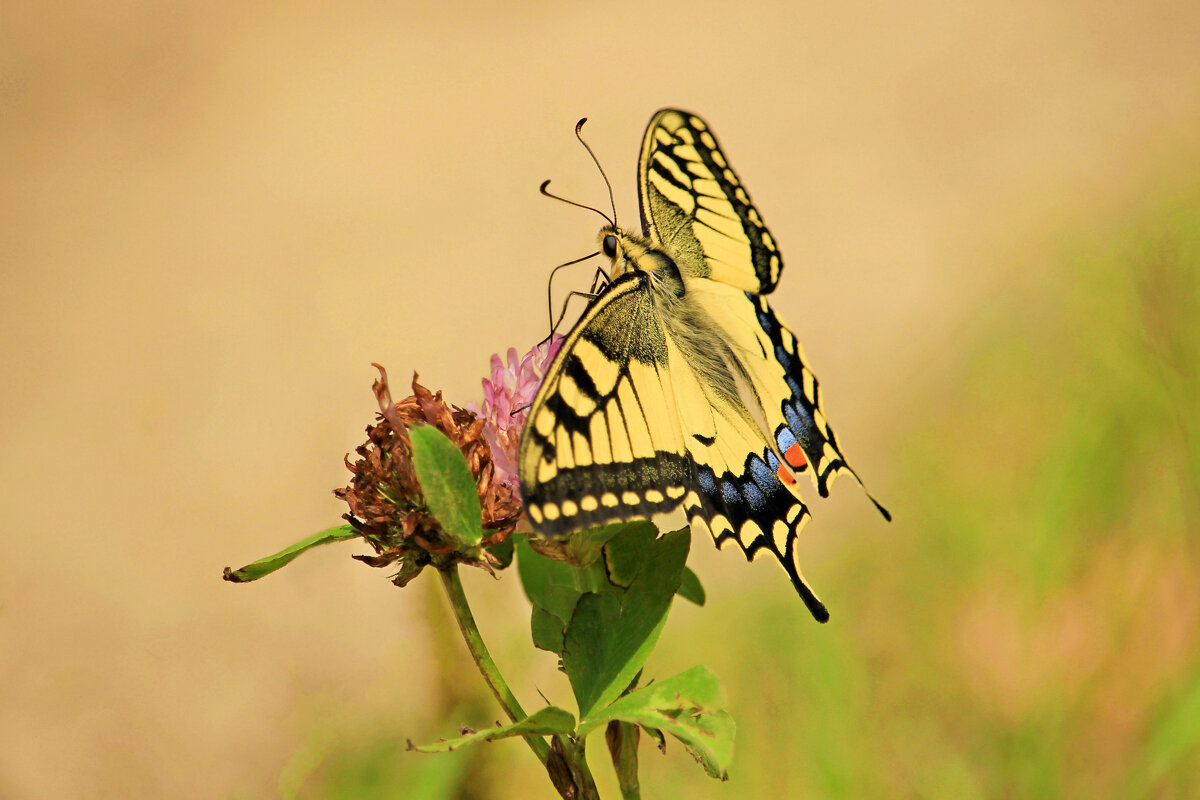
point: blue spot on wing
(730, 493)
(794, 422)
(754, 497)
(763, 475)
(784, 357)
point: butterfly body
(679, 385)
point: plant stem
(580, 772)
(483, 659)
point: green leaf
(709, 738)
(690, 588)
(265, 566)
(611, 634)
(625, 555)
(547, 630)
(689, 706)
(583, 548)
(447, 484)
(695, 689)
(547, 721)
(597, 649)
(503, 553)
(556, 586)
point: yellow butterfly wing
(694, 205)
(602, 440)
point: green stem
(580, 772)
(483, 659)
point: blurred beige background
(213, 217)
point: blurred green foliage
(1029, 627)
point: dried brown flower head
(385, 499)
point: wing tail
(744, 499)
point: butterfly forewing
(694, 203)
(602, 440)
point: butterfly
(679, 385)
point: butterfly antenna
(579, 136)
(553, 196)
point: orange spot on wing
(785, 475)
(795, 456)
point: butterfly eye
(609, 246)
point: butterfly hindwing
(755, 500)
(694, 204)
(803, 436)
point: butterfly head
(629, 253)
